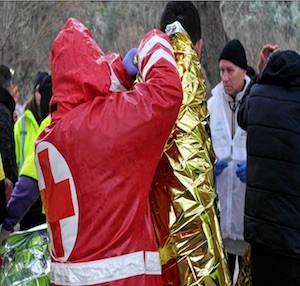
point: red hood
(78, 72)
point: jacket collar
(7, 99)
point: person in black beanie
(7, 147)
(7, 107)
(229, 143)
(234, 52)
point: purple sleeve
(24, 194)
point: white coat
(232, 148)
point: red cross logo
(57, 199)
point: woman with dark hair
(27, 125)
(25, 133)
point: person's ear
(198, 48)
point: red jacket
(97, 159)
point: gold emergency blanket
(183, 198)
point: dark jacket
(270, 114)
(7, 145)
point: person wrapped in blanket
(183, 196)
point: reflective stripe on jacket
(29, 169)
(106, 270)
(25, 133)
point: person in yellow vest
(26, 191)
(25, 132)
(26, 126)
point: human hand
(8, 188)
(4, 235)
(220, 166)
(241, 171)
(128, 62)
(265, 53)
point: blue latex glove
(128, 62)
(220, 166)
(241, 171)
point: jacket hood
(78, 73)
(283, 68)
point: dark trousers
(272, 269)
(2, 201)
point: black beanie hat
(235, 53)
(38, 78)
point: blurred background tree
(28, 30)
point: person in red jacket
(97, 159)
